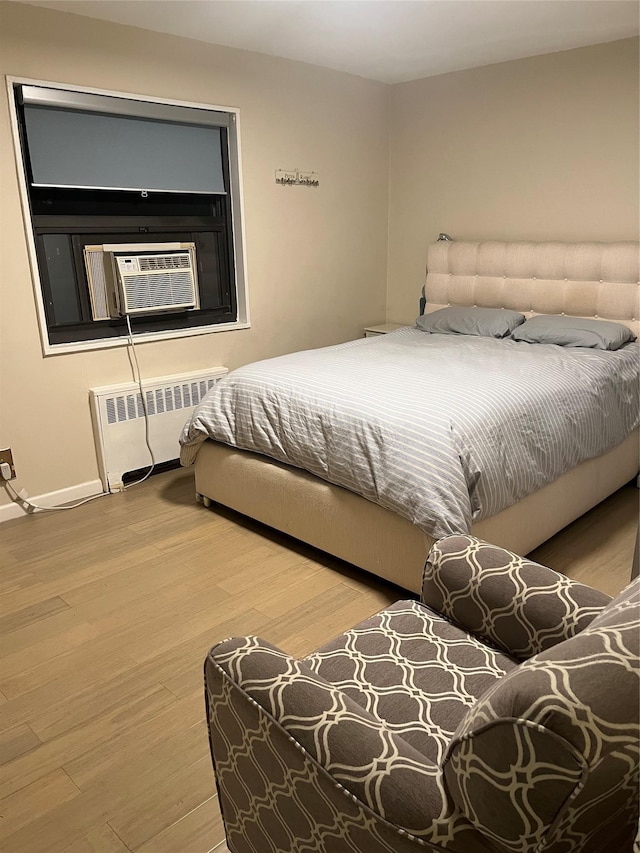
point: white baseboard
(61, 496)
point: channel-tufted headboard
(580, 279)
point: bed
(386, 522)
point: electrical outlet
(6, 458)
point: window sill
(142, 338)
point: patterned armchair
(500, 714)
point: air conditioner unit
(141, 278)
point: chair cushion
(413, 670)
(563, 729)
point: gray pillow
(461, 320)
(573, 332)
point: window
(106, 170)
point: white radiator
(119, 426)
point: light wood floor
(107, 613)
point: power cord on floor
(21, 498)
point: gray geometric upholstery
(414, 671)
(518, 605)
(422, 730)
(565, 725)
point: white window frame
(237, 207)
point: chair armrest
(518, 605)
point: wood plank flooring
(107, 612)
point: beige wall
(544, 148)
(541, 148)
(316, 258)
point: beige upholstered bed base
(600, 280)
(348, 526)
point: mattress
(443, 430)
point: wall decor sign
(296, 178)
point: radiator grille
(127, 407)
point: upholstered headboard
(580, 279)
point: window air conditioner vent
(161, 291)
(160, 262)
(152, 282)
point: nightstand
(382, 329)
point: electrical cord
(20, 498)
(138, 377)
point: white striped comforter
(442, 429)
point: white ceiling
(387, 40)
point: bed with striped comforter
(444, 430)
